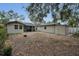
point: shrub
(2, 37)
(7, 51)
(76, 34)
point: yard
(43, 44)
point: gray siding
(54, 29)
(11, 29)
(49, 29)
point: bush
(76, 34)
(7, 51)
(2, 35)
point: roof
(52, 24)
(30, 24)
(27, 24)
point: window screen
(16, 26)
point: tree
(2, 37)
(72, 22)
(3, 18)
(13, 15)
(37, 12)
(6, 16)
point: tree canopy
(59, 11)
(38, 11)
(6, 16)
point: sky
(18, 8)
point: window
(20, 26)
(45, 27)
(16, 26)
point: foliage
(37, 11)
(6, 16)
(72, 22)
(3, 19)
(65, 13)
(2, 35)
(13, 15)
(2, 38)
(7, 51)
(76, 34)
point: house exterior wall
(11, 29)
(49, 29)
(61, 30)
(54, 29)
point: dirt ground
(43, 44)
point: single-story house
(19, 27)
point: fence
(73, 29)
